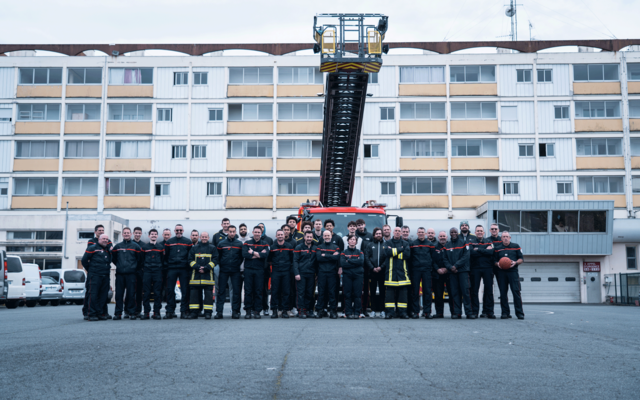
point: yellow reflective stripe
(389, 304)
(402, 305)
(212, 265)
(390, 270)
(192, 263)
(203, 282)
(194, 282)
(194, 306)
(206, 307)
(394, 251)
(406, 274)
(400, 256)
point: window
(4, 189)
(523, 221)
(509, 113)
(85, 235)
(129, 112)
(130, 76)
(299, 149)
(127, 186)
(370, 151)
(525, 150)
(511, 188)
(214, 188)
(179, 151)
(36, 235)
(83, 112)
(299, 186)
(597, 109)
(564, 221)
(473, 110)
(250, 149)
(387, 188)
(200, 78)
(215, 114)
(37, 149)
(561, 112)
(250, 112)
(523, 75)
(165, 114)
(475, 185)
(422, 111)
(250, 76)
(544, 76)
(631, 258)
(424, 185)
(421, 74)
(198, 151)
(39, 112)
(634, 108)
(180, 78)
(599, 147)
(595, 72)
(474, 148)
(249, 186)
(373, 78)
(299, 111)
(35, 186)
(128, 149)
(387, 113)
(635, 184)
(6, 114)
(633, 72)
(635, 146)
(422, 148)
(600, 184)
(162, 189)
(80, 186)
(85, 76)
(299, 75)
(593, 221)
(546, 150)
(40, 76)
(564, 187)
(473, 73)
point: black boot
(156, 316)
(218, 316)
(132, 317)
(207, 315)
(145, 316)
(333, 315)
(256, 315)
(248, 315)
(235, 315)
(274, 315)
(428, 316)
(117, 317)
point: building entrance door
(594, 292)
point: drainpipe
(66, 224)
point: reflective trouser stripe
(402, 305)
(389, 305)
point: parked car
(72, 282)
(33, 286)
(51, 291)
(16, 280)
(4, 280)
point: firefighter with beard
(328, 256)
(374, 259)
(482, 253)
(456, 260)
(203, 258)
(424, 260)
(281, 260)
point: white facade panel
(510, 155)
(561, 81)
(562, 160)
(549, 188)
(4, 200)
(216, 87)
(386, 160)
(162, 161)
(6, 127)
(509, 85)
(7, 83)
(165, 88)
(372, 125)
(216, 156)
(199, 200)
(179, 124)
(526, 119)
(387, 85)
(176, 200)
(355, 198)
(526, 187)
(547, 122)
(372, 190)
(6, 155)
(200, 124)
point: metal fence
(623, 289)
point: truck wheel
(31, 303)
(21, 303)
(12, 304)
(55, 302)
(44, 302)
(79, 302)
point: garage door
(548, 283)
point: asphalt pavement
(558, 351)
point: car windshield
(52, 275)
(343, 219)
(47, 280)
(14, 264)
(74, 277)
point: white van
(72, 282)
(16, 278)
(33, 284)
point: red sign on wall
(591, 266)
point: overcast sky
(249, 21)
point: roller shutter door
(548, 283)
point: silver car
(72, 282)
(51, 291)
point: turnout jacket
(397, 253)
(481, 254)
(512, 251)
(230, 255)
(176, 252)
(97, 260)
(281, 257)
(352, 261)
(456, 253)
(374, 255)
(424, 256)
(153, 257)
(327, 262)
(304, 259)
(255, 263)
(127, 256)
(219, 237)
(203, 255)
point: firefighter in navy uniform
(304, 269)
(137, 234)
(374, 260)
(97, 260)
(281, 260)
(203, 258)
(176, 255)
(352, 270)
(255, 252)
(424, 260)
(481, 257)
(397, 279)
(222, 233)
(442, 283)
(152, 280)
(297, 235)
(166, 235)
(456, 260)
(328, 257)
(98, 231)
(509, 277)
(229, 258)
(128, 258)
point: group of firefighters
(384, 271)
